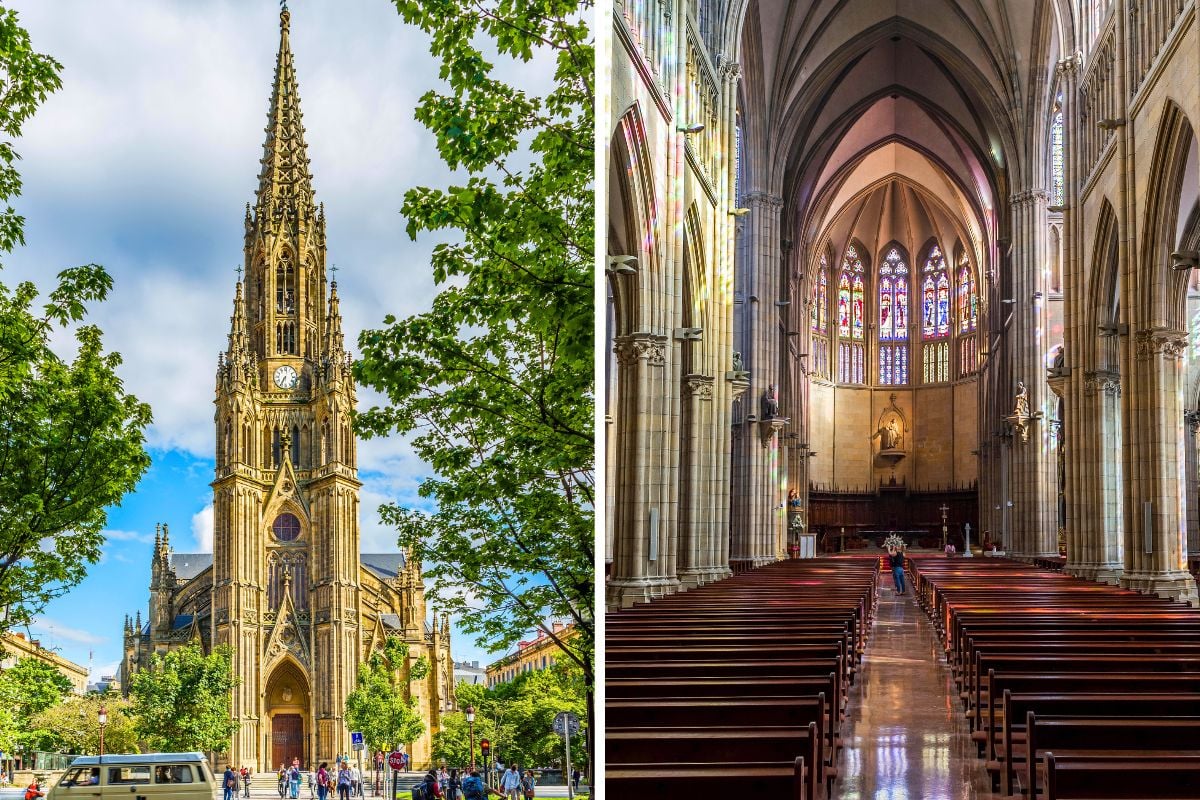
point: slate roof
(189, 565)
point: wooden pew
(691, 781)
(732, 745)
(1103, 733)
(1135, 777)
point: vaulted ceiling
(944, 98)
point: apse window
(286, 527)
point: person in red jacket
(34, 792)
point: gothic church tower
(286, 576)
(286, 585)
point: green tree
(72, 726)
(27, 688)
(71, 439)
(496, 379)
(382, 705)
(181, 700)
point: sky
(143, 162)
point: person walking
(229, 781)
(527, 784)
(510, 784)
(343, 781)
(453, 785)
(294, 781)
(896, 559)
(322, 780)
(575, 778)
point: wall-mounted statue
(1022, 401)
(738, 366)
(888, 435)
(771, 402)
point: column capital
(698, 386)
(1027, 197)
(728, 69)
(1102, 381)
(1167, 343)
(635, 347)
(764, 199)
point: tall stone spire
(239, 340)
(284, 182)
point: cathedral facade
(286, 585)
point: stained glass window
(893, 319)
(936, 361)
(819, 313)
(1057, 162)
(968, 313)
(935, 295)
(844, 305)
(893, 297)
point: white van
(154, 776)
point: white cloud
(202, 529)
(53, 630)
(128, 536)
(101, 670)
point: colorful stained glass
(935, 296)
(893, 297)
(819, 313)
(844, 305)
(1057, 162)
(943, 305)
(857, 310)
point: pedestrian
(246, 775)
(575, 778)
(230, 781)
(453, 785)
(322, 780)
(510, 784)
(443, 777)
(355, 781)
(34, 791)
(431, 785)
(281, 778)
(343, 781)
(294, 780)
(896, 558)
(528, 784)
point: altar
(911, 538)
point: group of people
(445, 785)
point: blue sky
(144, 162)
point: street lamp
(471, 725)
(103, 718)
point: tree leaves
(71, 439)
(181, 700)
(382, 706)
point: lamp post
(103, 718)
(471, 727)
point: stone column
(1034, 481)
(643, 557)
(1155, 540)
(696, 423)
(1191, 426)
(758, 524)
(1100, 510)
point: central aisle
(905, 736)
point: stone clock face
(286, 377)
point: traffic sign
(356, 740)
(565, 721)
(396, 760)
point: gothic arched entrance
(287, 711)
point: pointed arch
(1162, 298)
(632, 223)
(1104, 306)
(893, 278)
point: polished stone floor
(905, 737)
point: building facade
(541, 652)
(932, 249)
(286, 586)
(16, 646)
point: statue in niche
(738, 366)
(771, 402)
(1022, 401)
(888, 435)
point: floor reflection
(905, 737)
